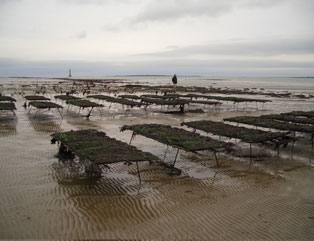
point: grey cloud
(8, 1)
(165, 10)
(243, 48)
(82, 35)
(184, 67)
(262, 3)
(118, 26)
(85, 2)
(96, 2)
(307, 5)
(3, 1)
(112, 27)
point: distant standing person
(174, 81)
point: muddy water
(44, 198)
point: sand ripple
(42, 198)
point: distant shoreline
(106, 77)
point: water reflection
(44, 123)
(82, 123)
(8, 126)
(87, 179)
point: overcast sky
(187, 37)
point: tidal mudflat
(266, 196)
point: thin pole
(310, 158)
(60, 113)
(88, 115)
(92, 170)
(292, 149)
(165, 153)
(145, 108)
(138, 173)
(251, 151)
(217, 163)
(131, 138)
(175, 159)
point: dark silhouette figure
(174, 81)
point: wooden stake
(88, 115)
(217, 163)
(165, 153)
(175, 159)
(138, 173)
(292, 150)
(60, 113)
(251, 151)
(133, 134)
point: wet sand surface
(43, 198)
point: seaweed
(163, 97)
(205, 102)
(179, 112)
(83, 103)
(174, 95)
(204, 90)
(308, 114)
(45, 105)
(135, 97)
(102, 97)
(130, 103)
(7, 106)
(290, 118)
(225, 98)
(66, 97)
(98, 148)
(176, 137)
(36, 97)
(165, 102)
(7, 98)
(244, 134)
(268, 123)
(121, 101)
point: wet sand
(43, 198)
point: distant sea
(293, 84)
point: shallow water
(44, 198)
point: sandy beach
(41, 197)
